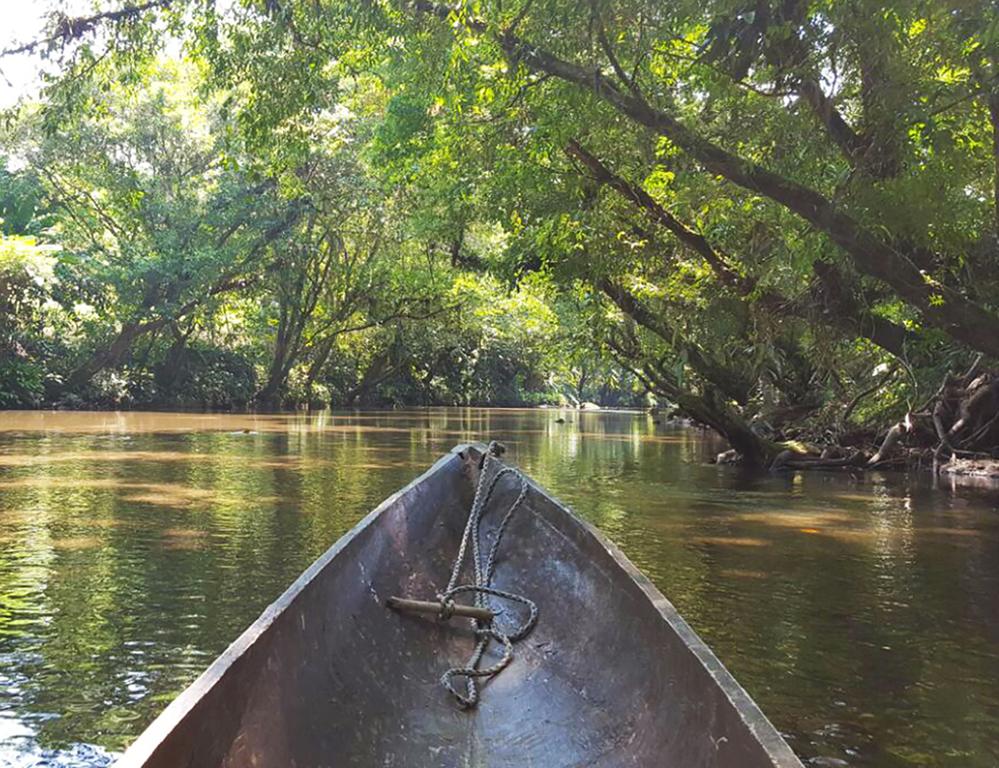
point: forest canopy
(780, 219)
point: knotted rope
(485, 631)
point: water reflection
(862, 612)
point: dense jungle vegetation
(779, 218)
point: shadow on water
(862, 612)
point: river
(860, 611)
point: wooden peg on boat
(424, 606)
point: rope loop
(486, 632)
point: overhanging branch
(70, 28)
(941, 306)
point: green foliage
(371, 203)
(192, 272)
(22, 382)
(26, 276)
(22, 198)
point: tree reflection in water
(861, 612)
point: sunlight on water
(862, 612)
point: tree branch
(69, 28)
(693, 240)
(843, 313)
(852, 145)
(626, 80)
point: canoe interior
(611, 676)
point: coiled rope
(486, 631)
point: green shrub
(22, 382)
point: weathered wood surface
(611, 676)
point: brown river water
(860, 611)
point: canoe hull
(610, 676)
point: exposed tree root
(956, 432)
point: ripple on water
(76, 756)
(19, 749)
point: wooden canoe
(327, 676)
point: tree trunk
(112, 355)
(272, 394)
(377, 371)
(168, 372)
(707, 409)
(994, 117)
